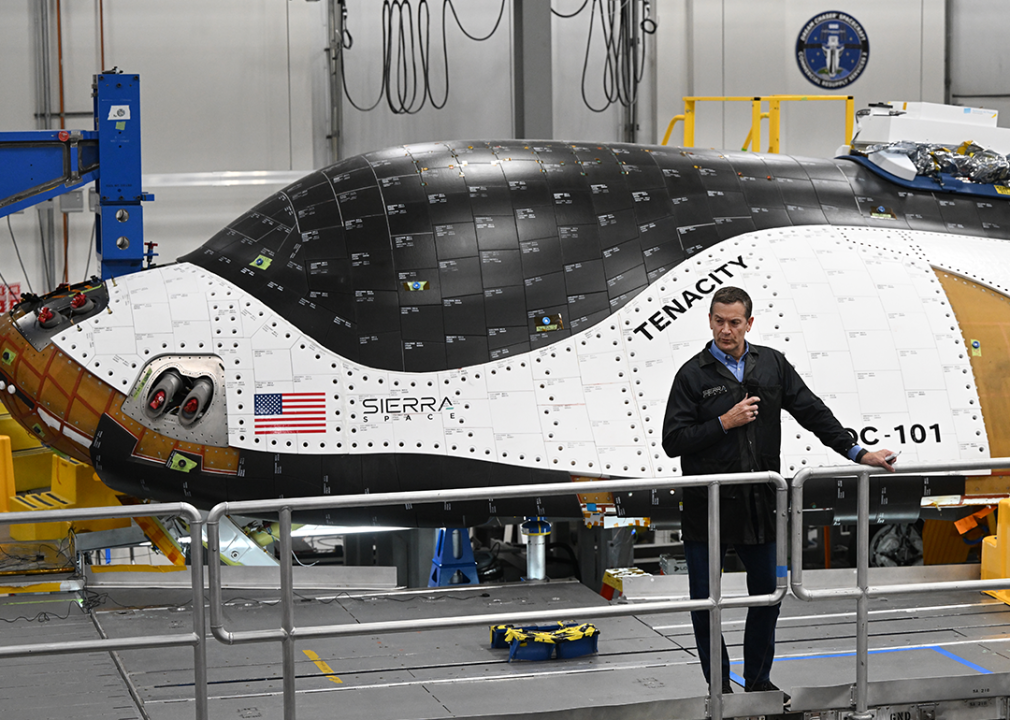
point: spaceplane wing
(468, 314)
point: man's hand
(878, 459)
(743, 412)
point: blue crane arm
(41, 164)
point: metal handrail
(287, 634)
(196, 638)
(863, 591)
(773, 115)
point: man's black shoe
(727, 686)
(767, 686)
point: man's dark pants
(759, 632)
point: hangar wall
(243, 85)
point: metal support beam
(120, 216)
(531, 59)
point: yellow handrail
(773, 115)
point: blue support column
(120, 232)
(453, 563)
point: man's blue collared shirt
(732, 364)
(736, 367)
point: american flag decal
(290, 413)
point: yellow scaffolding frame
(773, 115)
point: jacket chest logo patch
(713, 391)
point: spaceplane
(471, 314)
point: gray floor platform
(925, 649)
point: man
(723, 416)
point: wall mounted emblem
(832, 50)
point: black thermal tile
(817, 169)
(503, 336)
(806, 215)
(254, 226)
(658, 232)
(222, 240)
(695, 238)
(414, 251)
(496, 232)
(610, 197)
(761, 192)
(408, 218)
(573, 207)
(255, 473)
(992, 214)
(501, 267)
(585, 277)
(373, 271)
(473, 153)
(376, 311)
(511, 351)
(464, 315)
(960, 215)
(360, 203)
(443, 181)
(325, 243)
(683, 180)
(579, 242)
(310, 195)
(645, 175)
(340, 304)
(838, 195)
(380, 349)
(586, 321)
(540, 257)
(455, 240)
(545, 290)
(619, 258)
(419, 287)
(360, 233)
(630, 279)
(717, 174)
(405, 189)
(449, 208)
(460, 276)
(423, 356)
(394, 167)
(528, 188)
(535, 222)
(344, 181)
(465, 350)
(490, 200)
(767, 218)
(727, 204)
(618, 227)
(606, 171)
(797, 191)
(275, 206)
(652, 205)
(728, 227)
(585, 305)
(313, 319)
(504, 306)
(783, 166)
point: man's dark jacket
(703, 390)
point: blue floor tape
(946, 653)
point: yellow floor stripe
(323, 666)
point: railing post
(689, 122)
(755, 125)
(715, 594)
(862, 601)
(850, 117)
(774, 116)
(199, 621)
(287, 613)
